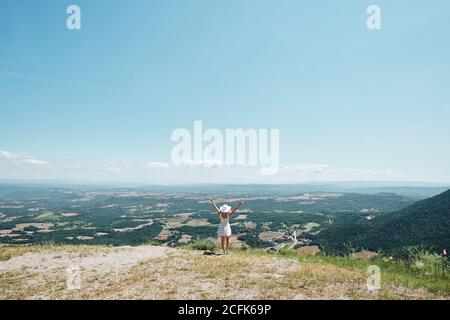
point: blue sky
(100, 103)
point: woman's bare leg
(222, 244)
(227, 243)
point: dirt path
(103, 261)
(44, 274)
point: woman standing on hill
(224, 230)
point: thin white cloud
(327, 172)
(124, 166)
(7, 155)
(307, 168)
(22, 158)
(156, 165)
(361, 171)
(200, 164)
(35, 162)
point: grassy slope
(187, 274)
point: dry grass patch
(271, 235)
(69, 214)
(9, 251)
(197, 223)
(326, 272)
(44, 215)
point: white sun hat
(225, 208)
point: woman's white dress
(224, 229)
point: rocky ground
(152, 272)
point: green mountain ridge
(425, 223)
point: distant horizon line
(354, 183)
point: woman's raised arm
(214, 204)
(237, 207)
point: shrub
(425, 262)
(206, 245)
(244, 247)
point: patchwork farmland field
(176, 217)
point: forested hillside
(424, 223)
